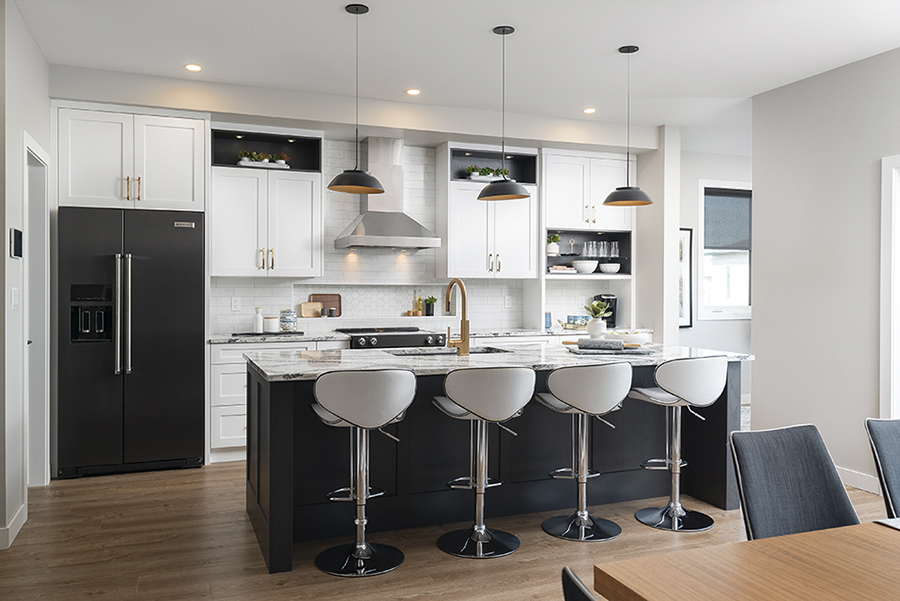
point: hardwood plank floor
(184, 534)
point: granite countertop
(276, 337)
(307, 365)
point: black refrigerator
(130, 357)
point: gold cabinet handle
(139, 188)
(128, 188)
(587, 213)
(271, 258)
(262, 258)
(498, 262)
(491, 256)
(594, 220)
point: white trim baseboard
(9, 532)
(859, 480)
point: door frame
(889, 373)
(36, 223)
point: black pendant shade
(503, 189)
(356, 181)
(627, 196)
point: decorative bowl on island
(585, 266)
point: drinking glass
(604, 249)
(614, 249)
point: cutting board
(310, 309)
(329, 301)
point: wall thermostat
(15, 243)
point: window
(725, 237)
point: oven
(400, 337)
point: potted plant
(429, 305)
(282, 158)
(552, 246)
(472, 170)
(259, 157)
(485, 171)
(244, 156)
(501, 172)
(598, 310)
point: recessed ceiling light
(193, 67)
(413, 92)
(291, 141)
(589, 110)
(239, 137)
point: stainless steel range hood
(383, 224)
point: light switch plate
(507, 302)
(14, 299)
(235, 303)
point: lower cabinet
(228, 392)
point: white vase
(596, 327)
(280, 161)
(552, 249)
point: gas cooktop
(392, 337)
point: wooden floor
(184, 535)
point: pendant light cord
(357, 93)
(503, 112)
(628, 123)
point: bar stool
(689, 382)
(361, 401)
(584, 391)
(494, 394)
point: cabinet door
(470, 235)
(295, 224)
(238, 222)
(168, 163)
(606, 176)
(95, 159)
(515, 236)
(568, 192)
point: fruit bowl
(585, 266)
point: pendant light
(356, 180)
(628, 195)
(503, 189)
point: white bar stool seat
(482, 396)
(584, 391)
(689, 382)
(361, 400)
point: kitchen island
(293, 459)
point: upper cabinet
(485, 239)
(575, 187)
(121, 160)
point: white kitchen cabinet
(121, 160)
(265, 223)
(228, 389)
(575, 187)
(496, 239)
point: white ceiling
(698, 58)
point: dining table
(852, 562)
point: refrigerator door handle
(128, 313)
(117, 315)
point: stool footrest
(465, 483)
(344, 494)
(659, 464)
(565, 473)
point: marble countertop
(275, 337)
(307, 365)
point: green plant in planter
(473, 169)
(485, 171)
(244, 154)
(501, 172)
(430, 300)
(598, 309)
(259, 156)
(551, 238)
(283, 157)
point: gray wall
(817, 146)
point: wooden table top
(853, 562)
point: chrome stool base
(581, 528)
(484, 544)
(666, 518)
(342, 560)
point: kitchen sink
(424, 351)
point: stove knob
(360, 342)
(440, 339)
(429, 340)
(373, 341)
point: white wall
(724, 335)
(27, 108)
(817, 146)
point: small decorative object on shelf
(429, 306)
(261, 159)
(598, 310)
(485, 174)
(552, 246)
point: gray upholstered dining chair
(788, 482)
(884, 434)
(573, 588)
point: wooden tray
(329, 301)
(310, 309)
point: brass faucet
(463, 343)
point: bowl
(628, 337)
(585, 266)
(609, 268)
